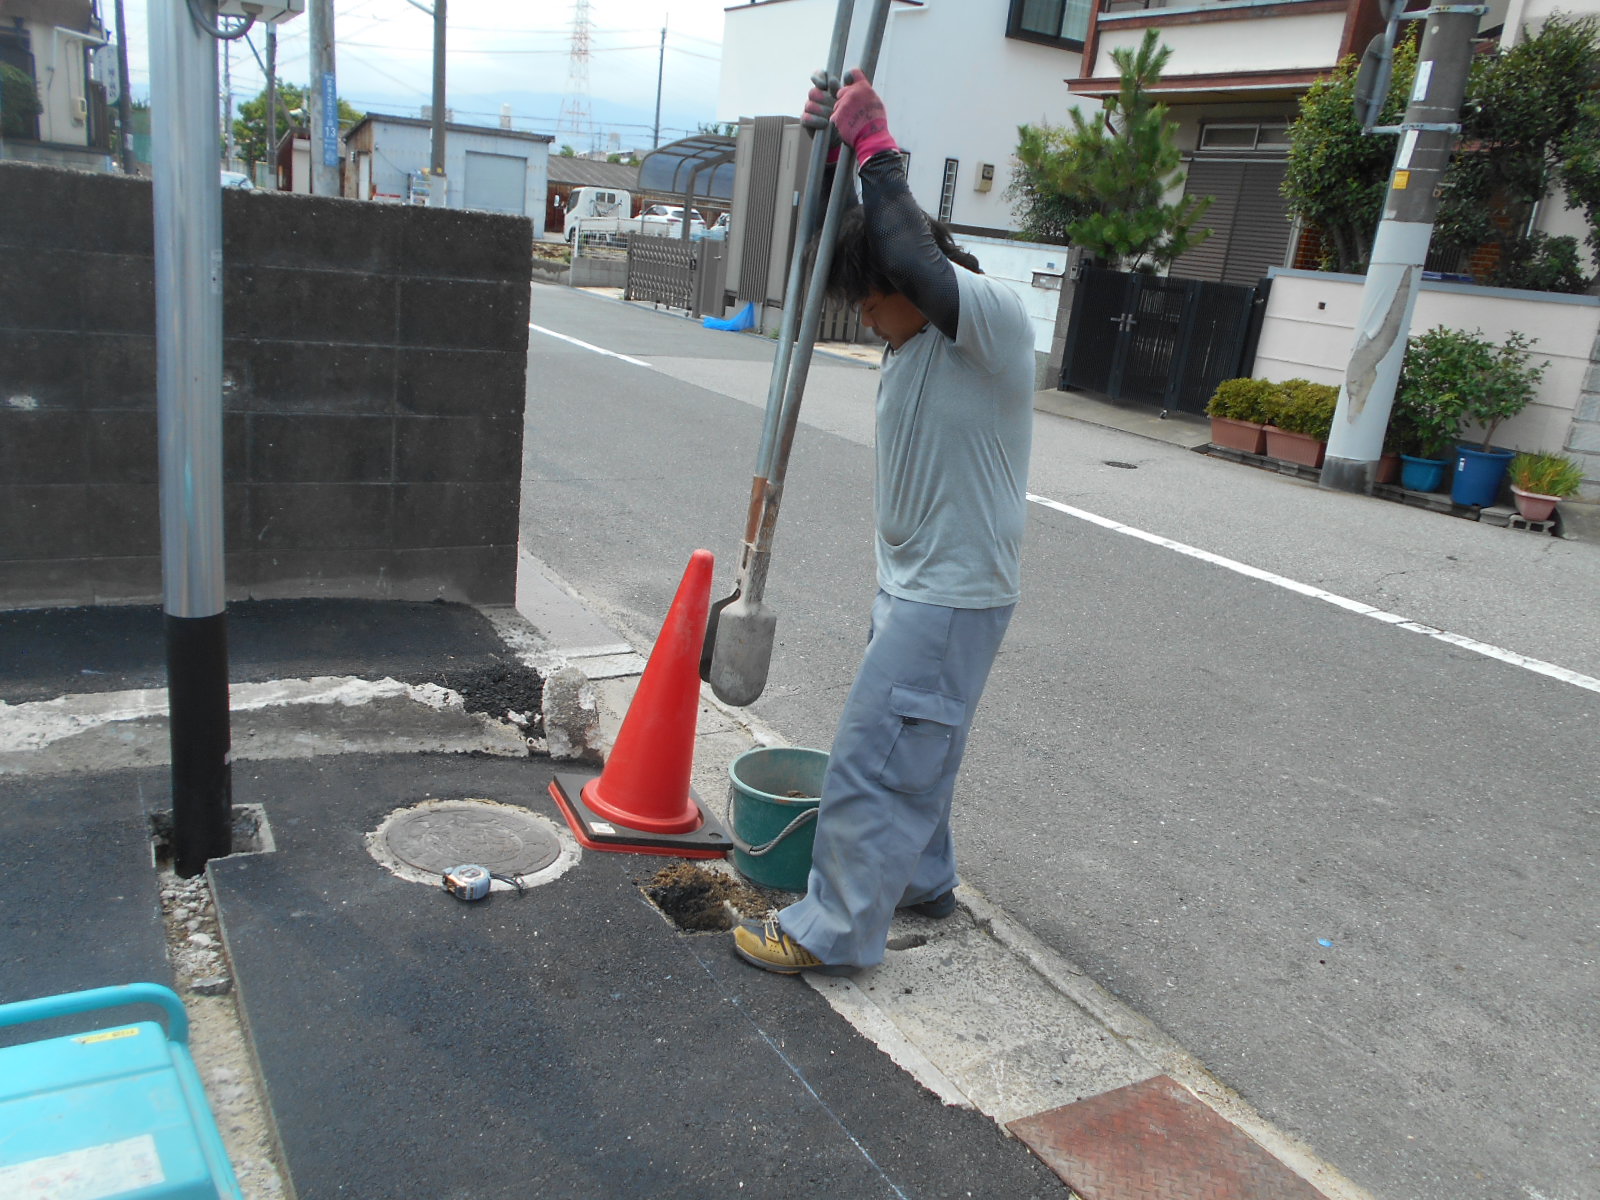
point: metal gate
(661, 270)
(1160, 340)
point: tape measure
(468, 882)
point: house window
(1268, 137)
(1063, 23)
(947, 190)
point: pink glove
(859, 116)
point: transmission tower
(575, 120)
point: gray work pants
(883, 825)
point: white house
(958, 76)
(53, 43)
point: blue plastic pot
(1478, 476)
(1421, 474)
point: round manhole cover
(428, 839)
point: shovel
(737, 652)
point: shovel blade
(743, 652)
(709, 645)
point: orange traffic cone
(642, 801)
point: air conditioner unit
(267, 12)
(985, 179)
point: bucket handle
(810, 814)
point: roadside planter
(1421, 474)
(1238, 412)
(1478, 476)
(1301, 416)
(1540, 481)
(1451, 378)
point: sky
(384, 59)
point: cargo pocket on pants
(926, 723)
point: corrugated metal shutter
(1260, 236)
(1220, 181)
(496, 183)
(1247, 218)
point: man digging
(954, 429)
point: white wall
(1311, 317)
(955, 86)
(1014, 264)
(1274, 43)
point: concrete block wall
(375, 364)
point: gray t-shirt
(955, 426)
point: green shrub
(19, 103)
(1546, 474)
(1450, 377)
(1242, 400)
(1305, 407)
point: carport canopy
(701, 166)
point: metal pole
(188, 275)
(272, 101)
(324, 106)
(227, 103)
(1427, 136)
(124, 96)
(661, 66)
(436, 163)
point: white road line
(638, 362)
(1538, 666)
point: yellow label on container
(109, 1035)
(1402, 180)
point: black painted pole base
(1348, 475)
(202, 773)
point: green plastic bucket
(772, 830)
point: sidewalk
(567, 1042)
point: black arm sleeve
(898, 232)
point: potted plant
(1238, 412)
(1426, 418)
(1500, 386)
(1301, 416)
(1539, 480)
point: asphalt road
(1185, 778)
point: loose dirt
(704, 899)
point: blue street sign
(330, 121)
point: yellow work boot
(765, 945)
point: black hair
(855, 271)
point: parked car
(669, 218)
(237, 179)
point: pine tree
(1104, 181)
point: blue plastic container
(108, 1113)
(1479, 474)
(1421, 474)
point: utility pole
(438, 184)
(124, 98)
(661, 64)
(188, 273)
(227, 103)
(272, 102)
(324, 102)
(1427, 136)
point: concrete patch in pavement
(286, 718)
